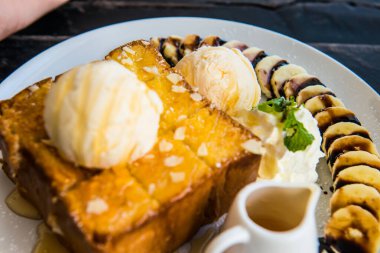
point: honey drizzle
(21, 206)
(48, 242)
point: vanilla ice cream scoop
(100, 114)
(224, 76)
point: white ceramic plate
(18, 234)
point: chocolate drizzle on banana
(352, 157)
(175, 47)
(320, 102)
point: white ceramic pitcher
(270, 217)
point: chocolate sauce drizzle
(321, 93)
(310, 82)
(345, 118)
(274, 68)
(326, 101)
(340, 183)
(364, 146)
(330, 140)
(258, 58)
(340, 168)
(191, 46)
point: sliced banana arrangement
(352, 157)
(320, 102)
(311, 91)
(332, 115)
(341, 129)
(357, 194)
(361, 174)
(349, 143)
(298, 82)
(283, 74)
(264, 72)
(353, 229)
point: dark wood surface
(347, 30)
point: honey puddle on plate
(21, 206)
(47, 241)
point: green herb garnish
(296, 135)
(277, 106)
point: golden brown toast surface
(168, 175)
(152, 205)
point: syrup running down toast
(153, 204)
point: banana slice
(235, 44)
(312, 91)
(333, 115)
(353, 229)
(353, 158)
(298, 82)
(157, 42)
(349, 143)
(341, 129)
(361, 195)
(318, 103)
(213, 41)
(189, 44)
(170, 49)
(254, 55)
(264, 70)
(283, 74)
(361, 174)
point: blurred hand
(18, 14)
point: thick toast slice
(152, 205)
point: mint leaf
(277, 106)
(296, 135)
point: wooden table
(349, 31)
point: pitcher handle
(227, 239)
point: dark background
(349, 31)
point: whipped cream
(224, 76)
(278, 163)
(300, 166)
(100, 114)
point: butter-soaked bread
(109, 203)
(169, 169)
(150, 67)
(154, 204)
